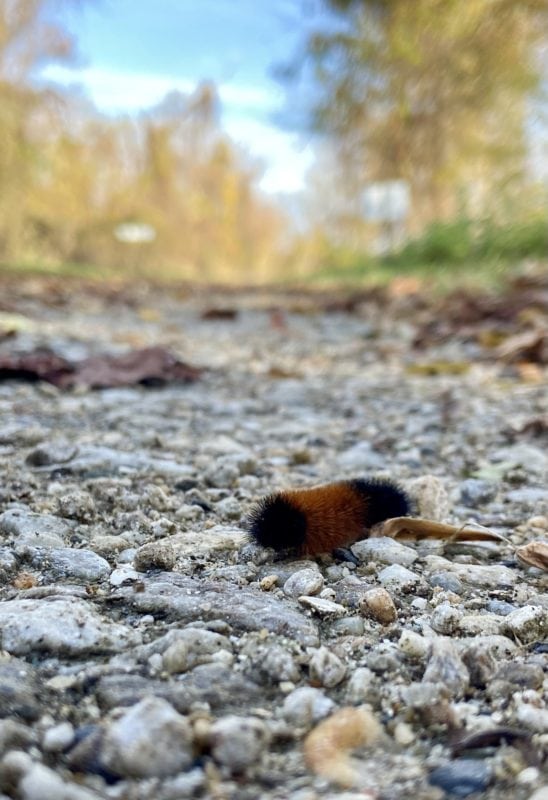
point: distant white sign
(386, 201)
(134, 232)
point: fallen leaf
(530, 346)
(219, 313)
(150, 366)
(328, 746)
(535, 554)
(416, 528)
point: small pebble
(326, 669)
(378, 603)
(462, 777)
(238, 742)
(475, 492)
(304, 582)
(413, 645)
(58, 738)
(154, 555)
(268, 582)
(403, 734)
(305, 706)
(446, 619)
(323, 607)
(149, 740)
(399, 579)
(527, 624)
(447, 581)
(359, 686)
(430, 496)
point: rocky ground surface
(150, 651)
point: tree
(431, 91)
(27, 39)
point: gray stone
(42, 783)
(35, 530)
(182, 650)
(385, 551)
(51, 452)
(19, 689)
(399, 579)
(531, 458)
(413, 645)
(155, 555)
(522, 676)
(475, 492)
(68, 562)
(348, 626)
(322, 606)
(213, 684)
(14, 735)
(500, 607)
(76, 505)
(304, 582)
(237, 742)
(462, 777)
(527, 624)
(150, 740)
(358, 689)
(489, 577)
(98, 460)
(446, 667)
(326, 669)
(430, 497)
(305, 706)
(528, 496)
(58, 738)
(360, 458)
(480, 624)
(61, 627)
(187, 599)
(447, 581)
(445, 619)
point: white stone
(237, 742)
(150, 740)
(322, 607)
(306, 706)
(304, 582)
(60, 626)
(58, 738)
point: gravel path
(150, 651)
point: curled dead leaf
(328, 746)
(417, 528)
(534, 554)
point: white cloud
(244, 106)
(115, 92)
(245, 109)
(285, 158)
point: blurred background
(252, 142)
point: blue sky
(133, 53)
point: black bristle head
(276, 523)
(383, 500)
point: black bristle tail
(276, 523)
(382, 499)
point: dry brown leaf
(531, 346)
(535, 554)
(432, 368)
(418, 528)
(25, 580)
(328, 746)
